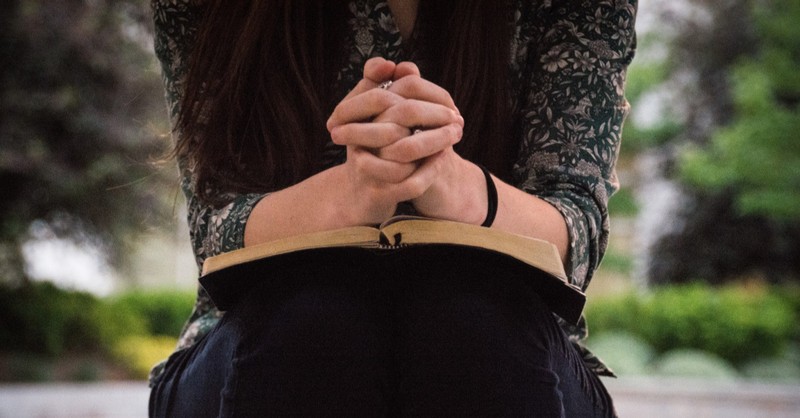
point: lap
(423, 342)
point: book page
(535, 252)
(361, 236)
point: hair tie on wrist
(491, 191)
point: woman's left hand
(457, 188)
(459, 191)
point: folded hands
(399, 138)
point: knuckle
(360, 164)
(414, 85)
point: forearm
(464, 199)
(309, 206)
(526, 214)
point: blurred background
(701, 279)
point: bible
(229, 276)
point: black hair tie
(491, 191)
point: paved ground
(667, 398)
(650, 398)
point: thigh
(323, 350)
(308, 346)
(481, 343)
(194, 378)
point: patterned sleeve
(574, 56)
(213, 230)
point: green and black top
(568, 63)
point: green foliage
(42, 319)
(42, 323)
(694, 363)
(783, 369)
(777, 22)
(758, 155)
(164, 312)
(637, 139)
(81, 115)
(735, 323)
(140, 353)
(86, 371)
(623, 203)
(791, 294)
(29, 368)
(643, 77)
(616, 261)
(625, 353)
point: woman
(293, 118)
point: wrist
(355, 203)
(491, 198)
(461, 198)
(477, 201)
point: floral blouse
(568, 65)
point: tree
(757, 156)
(81, 120)
(741, 170)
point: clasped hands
(388, 162)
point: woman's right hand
(366, 189)
(374, 185)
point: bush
(791, 295)
(694, 363)
(28, 368)
(735, 323)
(623, 203)
(624, 353)
(140, 353)
(44, 327)
(163, 312)
(43, 319)
(782, 369)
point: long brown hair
(260, 86)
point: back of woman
(296, 117)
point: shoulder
(156, 4)
(175, 23)
(174, 16)
(604, 26)
(559, 9)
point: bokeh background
(701, 279)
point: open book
(225, 276)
